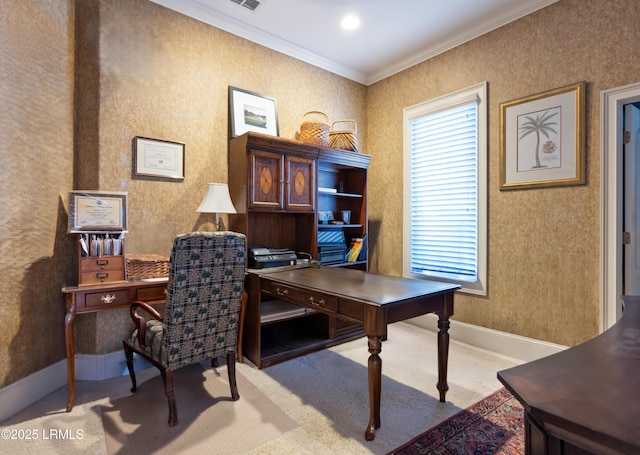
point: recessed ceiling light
(350, 22)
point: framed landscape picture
(250, 111)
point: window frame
(445, 102)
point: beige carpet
(316, 404)
(138, 423)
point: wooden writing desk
(584, 400)
(367, 298)
(101, 297)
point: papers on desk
(101, 244)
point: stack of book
(357, 249)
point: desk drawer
(107, 299)
(152, 294)
(309, 299)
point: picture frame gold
(542, 139)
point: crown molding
(202, 13)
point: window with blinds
(445, 189)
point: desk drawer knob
(321, 302)
(108, 298)
(281, 292)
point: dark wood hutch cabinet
(279, 187)
(275, 173)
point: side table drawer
(111, 276)
(106, 299)
(308, 299)
(103, 269)
(152, 294)
(89, 264)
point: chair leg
(128, 353)
(167, 378)
(214, 362)
(231, 370)
(243, 311)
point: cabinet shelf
(292, 338)
(279, 310)
(333, 194)
(348, 264)
(338, 226)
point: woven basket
(145, 266)
(315, 128)
(346, 139)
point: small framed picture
(542, 139)
(158, 158)
(249, 111)
(97, 211)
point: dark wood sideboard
(586, 399)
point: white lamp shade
(217, 199)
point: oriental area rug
(494, 425)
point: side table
(101, 297)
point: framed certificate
(97, 211)
(158, 158)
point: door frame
(611, 191)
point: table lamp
(217, 200)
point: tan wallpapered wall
(141, 70)
(166, 76)
(544, 253)
(36, 146)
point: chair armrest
(139, 321)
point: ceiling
(393, 34)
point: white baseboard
(20, 394)
(99, 367)
(515, 347)
(28, 390)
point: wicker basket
(145, 266)
(315, 128)
(346, 139)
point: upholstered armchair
(205, 292)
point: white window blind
(444, 192)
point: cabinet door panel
(300, 186)
(266, 171)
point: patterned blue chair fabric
(204, 294)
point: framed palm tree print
(542, 139)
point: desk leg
(68, 336)
(443, 355)
(375, 386)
